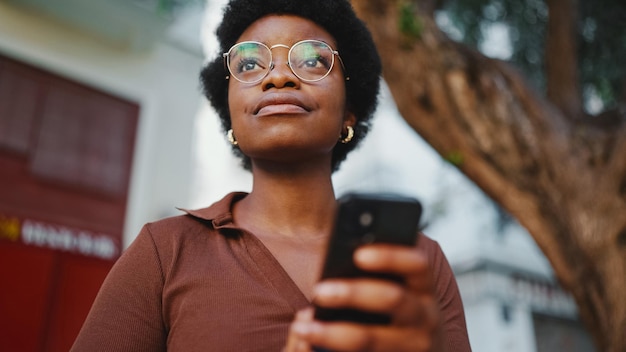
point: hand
(413, 308)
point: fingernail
(305, 328)
(305, 314)
(327, 289)
(365, 255)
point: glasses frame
(226, 57)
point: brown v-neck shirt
(195, 282)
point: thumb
(294, 342)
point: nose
(280, 75)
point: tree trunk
(564, 181)
(561, 57)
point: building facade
(97, 105)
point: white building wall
(483, 325)
(489, 332)
(163, 81)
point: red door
(65, 157)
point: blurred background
(103, 128)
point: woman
(295, 89)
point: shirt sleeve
(126, 314)
(449, 299)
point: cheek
(337, 99)
(235, 103)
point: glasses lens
(311, 60)
(249, 61)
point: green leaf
(455, 158)
(408, 23)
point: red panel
(24, 195)
(65, 158)
(25, 278)
(74, 150)
(79, 281)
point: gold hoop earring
(349, 137)
(231, 137)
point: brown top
(195, 282)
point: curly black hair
(354, 43)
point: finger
(391, 258)
(294, 342)
(419, 311)
(354, 337)
(408, 262)
(371, 295)
(379, 296)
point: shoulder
(448, 296)
(193, 223)
(159, 242)
(440, 267)
(431, 248)
(175, 227)
(170, 239)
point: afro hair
(355, 45)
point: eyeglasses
(310, 60)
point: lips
(280, 104)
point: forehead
(285, 29)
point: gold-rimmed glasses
(310, 60)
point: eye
(249, 58)
(312, 56)
(249, 64)
(315, 62)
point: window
(70, 134)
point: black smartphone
(364, 219)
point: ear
(349, 119)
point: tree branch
(562, 180)
(561, 57)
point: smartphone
(364, 219)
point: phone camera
(366, 219)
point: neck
(294, 202)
